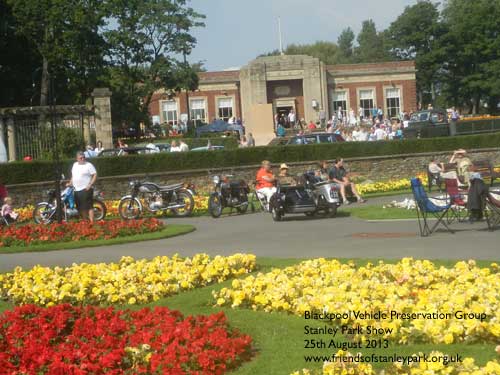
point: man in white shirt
(291, 118)
(83, 177)
(380, 134)
(174, 147)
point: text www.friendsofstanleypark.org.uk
(381, 358)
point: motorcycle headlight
(216, 180)
(131, 183)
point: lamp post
(55, 149)
(187, 92)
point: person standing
(250, 140)
(292, 118)
(83, 178)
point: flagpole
(279, 31)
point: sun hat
(283, 166)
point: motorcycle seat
(171, 187)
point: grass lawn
(169, 231)
(279, 338)
(375, 212)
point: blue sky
(237, 31)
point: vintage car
(314, 138)
(434, 123)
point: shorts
(84, 199)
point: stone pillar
(253, 86)
(3, 150)
(313, 90)
(102, 110)
(11, 139)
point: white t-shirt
(380, 134)
(82, 175)
(291, 117)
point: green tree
(145, 38)
(345, 43)
(371, 47)
(18, 60)
(472, 70)
(66, 35)
(417, 35)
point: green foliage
(22, 172)
(371, 46)
(416, 34)
(346, 46)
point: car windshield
(420, 116)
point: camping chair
(492, 211)
(458, 204)
(425, 208)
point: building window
(366, 102)
(340, 100)
(170, 112)
(393, 106)
(225, 108)
(198, 112)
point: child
(7, 211)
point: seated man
(463, 165)
(265, 182)
(338, 174)
(284, 178)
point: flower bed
(467, 367)
(391, 185)
(34, 234)
(91, 340)
(410, 286)
(128, 281)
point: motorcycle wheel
(43, 213)
(333, 210)
(186, 198)
(100, 210)
(215, 205)
(276, 214)
(129, 208)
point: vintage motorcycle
(150, 196)
(46, 212)
(311, 197)
(227, 193)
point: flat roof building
(293, 82)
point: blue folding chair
(426, 208)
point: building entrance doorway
(282, 108)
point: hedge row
(227, 142)
(23, 172)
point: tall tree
(18, 60)
(145, 39)
(472, 68)
(371, 46)
(65, 33)
(417, 35)
(346, 45)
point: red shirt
(261, 183)
(311, 126)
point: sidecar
(291, 200)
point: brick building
(302, 83)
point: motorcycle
(311, 197)
(46, 212)
(176, 198)
(233, 194)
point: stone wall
(371, 168)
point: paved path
(296, 237)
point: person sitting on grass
(339, 175)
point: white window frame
(193, 111)
(218, 107)
(374, 99)
(165, 113)
(386, 98)
(345, 106)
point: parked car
(206, 148)
(315, 138)
(124, 151)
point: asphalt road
(296, 237)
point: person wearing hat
(265, 181)
(463, 165)
(284, 178)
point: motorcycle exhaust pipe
(242, 204)
(176, 206)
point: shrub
(22, 172)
